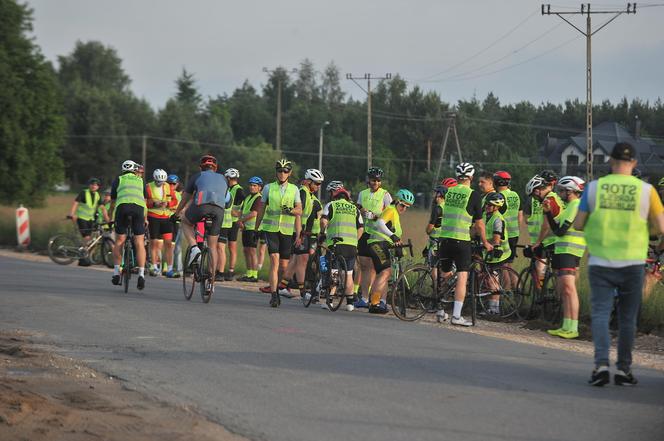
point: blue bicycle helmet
(256, 180)
(172, 179)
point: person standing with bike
(280, 217)
(229, 227)
(568, 250)
(497, 233)
(461, 211)
(247, 223)
(513, 212)
(542, 190)
(386, 234)
(128, 195)
(342, 219)
(83, 212)
(207, 191)
(614, 214)
(159, 223)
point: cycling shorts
(160, 228)
(565, 261)
(278, 243)
(512, 241)
(122, 214)
(196, 213)
(363, 248)
(249, 238)
(454, 251)
(380, 255)
(86, 227)
(348, 253)
(229, 234)
(308, 244)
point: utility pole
(277, 71)
(368, 77)
(451, 128)
(320, 152)
(144, 153)
(585, 10)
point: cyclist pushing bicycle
(207, 191)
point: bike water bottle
(323, 264)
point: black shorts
(512, 241)
(380, 255)
(249, 238)
(363, 248)
(122, 214)
(349, 254)
(308, 244)
(86, 227)
(196, 213)
(454, 251)
(160, 227)
(229, 234)
(279, 243)
(565, 261)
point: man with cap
(615, 213)
(83, 212)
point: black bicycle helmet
(375, 173)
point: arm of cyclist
(558, 229)
(72, 211)
(435, 219)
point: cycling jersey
(496, 225)
(374, 202)
(556, 206)
(279, 198)
(158, 193)
(572, 242)
(390, 216)
(344, 219)
(462, 207)
(535, 219)
(511, 213)
(237, 197)
(129, 189)
(251, 203)
(208, 187)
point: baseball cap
(623, 151)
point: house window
(599, 159)
(572, 160)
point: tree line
(82, 119)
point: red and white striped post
(22, 227)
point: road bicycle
(199, 272)
(540, 297)
(498, 281)
(65, 248)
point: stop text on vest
(618, 196)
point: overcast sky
(458, 44)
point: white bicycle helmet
(232, 173)
(572, 183)
(160, 175)
(314, 175)
(334, 185)
(535, 182)
(129, 166)
(465, 170)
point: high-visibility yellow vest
(130, 190)
(248, 202)
(372, 202)
(378, 236)
(308, 210)
(615, 229)
(456, 220)
(535, 220)
(512, 212)
(550, 239)
(177, 195)
(229, 218)
(275, 219)
(504, 244)
(154, 191)
(573, 242)
(436, 233)
(86, 210)
(343, 223)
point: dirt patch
(44, 396)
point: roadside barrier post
(22, 227)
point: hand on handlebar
(488, 246)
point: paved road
(304, 374)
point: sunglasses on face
(317, 183)
(283, 170)
(403, 205)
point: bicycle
(332, 285)
(64, 248)
(541, 291)
(312, 278)
(199, 270)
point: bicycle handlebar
(408, 245)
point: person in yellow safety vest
(128, 195)
(230, 227)
(462, 211)
(512, 211)
(433, 227)
(615, 214)
(280, 217)
(176, 196)
(341, 219)
(103, 213)
(83, 210)
(497, 233)
(568, 250)
(386, 233)
(159, 223)
(247, 222)
(371, 201)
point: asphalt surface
(303, 374)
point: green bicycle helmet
(405, 196)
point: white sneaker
(442, 316)
(350, 307)
(195, 252)
(306, 297)
(323, 305)
(460, 321)
(285, 292)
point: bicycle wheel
(335, 295)
(412, 293)
(471, 299)
(107, 251)
(189, 275)
(63, 249)
(311, 276)
(503, 282)
(527, 287)
(127, 263)
(551, 305)
(206, 277)
(95, 254)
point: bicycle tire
(551, 304)
(63, 249)
(127, 263)
(311, 276)
(412, 293)
(206, 276)
(334, 300)
(470, 294)
(510, 297)
(189, 274)
(95, 254)
(107, 251)
(527, 288)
